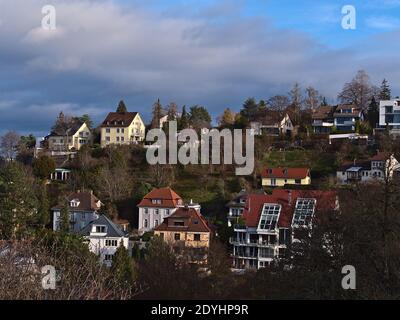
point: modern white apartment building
(268, 222)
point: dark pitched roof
(169, 198)
(323, 112)
(285, 173)
(87, 201)
(119, 119)
(69, 130)
(326, 201)
(112, 229)
(193, 221)
(242, 195)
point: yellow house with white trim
(122, 128)
(279, 177)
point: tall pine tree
(18, 202)
(385, 92)
(158, 113)
(373, 113)
(122, 107)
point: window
(284, 236)
(155, 223)
(122, 139)
(111, 243)
(162, 235)
(118, 139)
(303, 212)
(108, 257)
(146, 223)
(177, 236)
(157, 211)
(167, 212)
(273, 182)
(100, 229)
(107, 138)
(179, 223)
(108, 130)
(297, 181)
(122, 129)
(269, 216)
(156, 201)
(146, 210)
(196, 237)
(117, 130)
(74, 203)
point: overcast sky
(207, 52)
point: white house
(157, 205)
(389, 115)
(104, 237)
(346, 116)
(374, 169)
(274, 123)
(83, 207)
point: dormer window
(156, 201)
(100, 229)
(74, 203)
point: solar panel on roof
(269, 216)
(303, 212)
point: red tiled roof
(326, 200)
(169, 198)
(119, 119)
(381, 156)
(193, 220)
(285, 173)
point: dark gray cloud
(102, 52)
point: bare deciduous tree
(9, 144)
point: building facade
(74, 137)
(186, 229)
(83, 208)
(322, 119)
(346, 117)
(389, 115)
(104, 237)
(122, 128)
(371, 170)
(273, 124)
(279, 177)
(156, 206)
(270, 221)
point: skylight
(303, 212)
(269, 216)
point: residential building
(71, 138)
(104, 237)
(389, 115)
(236, 206)
(62, 172)
(279, 177)
(83, 207)
(186, 229)
(346, 117)
(274, 123)
(122, 128)
(322, 119)
(155, 206)
(371, 170)
(270, 223)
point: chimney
(290, 197)
(354, 161)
